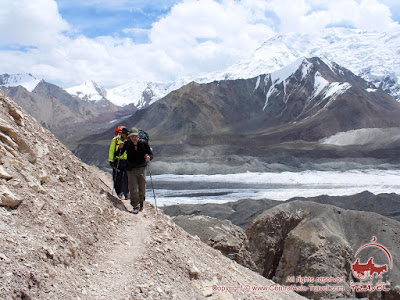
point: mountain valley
(283, 117)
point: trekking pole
(152, 186)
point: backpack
(143, 135)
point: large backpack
(143, 135)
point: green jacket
(114, 147)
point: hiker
(138, 154)
(118, 163)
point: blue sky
(102, 18)
(116, 41)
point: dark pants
(120, 177)
(137, 186)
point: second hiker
(118, 162)
(138, 155)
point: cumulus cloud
(27, 22)
(315, 15)
(196, 36)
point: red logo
(370, 269)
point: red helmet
(119, 129)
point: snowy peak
(23, 79)
(141, 94)
(88, 91)
(371, 55)
(306, 86)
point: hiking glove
(112, 164)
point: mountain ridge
(63, 113)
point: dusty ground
(152, 258)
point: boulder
(4, 174)
(7, 198)
(222, 235)
(310, 240)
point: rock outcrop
(222, 235)
(310, 240)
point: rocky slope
(313, 240)
(305, 238)
(222, 235)
(64, 236)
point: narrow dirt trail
(117, 263)
(150, 257)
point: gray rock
(314, 240)
(230, 239)
(4, 174)
(7, 198)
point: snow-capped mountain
(322, 88)
(89, 91)
(373, 56)
(140, 94)
(23, 79)
(312, 97)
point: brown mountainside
(66, 116)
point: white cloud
(314, 15)
(28, 22)
(196, 36)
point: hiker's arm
(121, 148)
(149, 155)
(111, 153)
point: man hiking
(138, 154)
(118, 162)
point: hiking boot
(135, 209)
(126, 197)
(141, 208)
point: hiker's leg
(124, 178)
(118, 180)
(142, 185)
(133, 188)
(115, 179)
